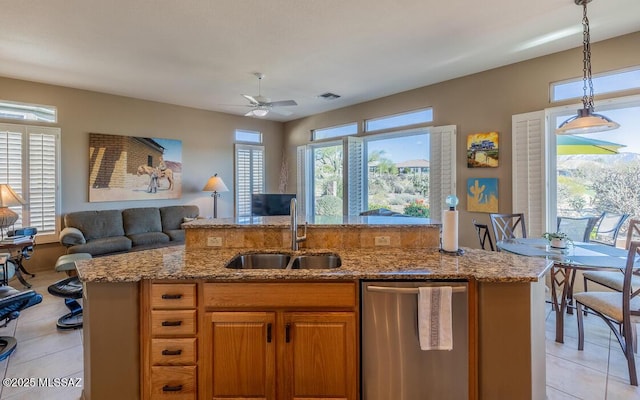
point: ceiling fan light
(586, 122)
(259, 112)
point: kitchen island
(506, 297)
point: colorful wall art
(482, 195)
(482, 150)
(134, 168)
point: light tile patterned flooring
(599, 372)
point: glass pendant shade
(586, 122)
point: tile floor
(599, 372)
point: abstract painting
(482, 195)
(134, 168)
(482, 150)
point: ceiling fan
(261, 105)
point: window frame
(595, 79)
(334, 137)
(34, 108)
(26, 180)
(399, 127)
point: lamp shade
(9, 198)
(586, 122)
(215, 184)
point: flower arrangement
(557, 239)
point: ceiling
(203, 53)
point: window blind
(249, 176)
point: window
(245, 136)
(399, 120)
(553, 177)
(335, 131)
(249, 176)
(410, 172)
(29, 163)
(28, 112)
(609, 82)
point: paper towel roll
(450, 230)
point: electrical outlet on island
(214, 241)
(382, 241)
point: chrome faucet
(295, 239)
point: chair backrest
(633, 263)
(577, 228)
(483, 235)
(608, 228)
(633, 232)
(505, 226)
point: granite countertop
(317, 221)
(177, 263)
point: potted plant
(557, 239)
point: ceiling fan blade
(251, 99)
(282, 103)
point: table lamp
(216, 185)
(8, 198)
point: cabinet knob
(171, 323)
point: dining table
(566, 261)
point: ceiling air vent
(329, 96)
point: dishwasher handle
(405, 290)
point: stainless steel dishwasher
(393, 365)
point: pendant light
(586, 121)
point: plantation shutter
(249, 176)
(529, 170)
(303, 170)
(354, 178)
(29, 164)
(442, 168)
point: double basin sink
(285, 261)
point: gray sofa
(112, 231)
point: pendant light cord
(587, 83)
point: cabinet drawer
(329, 295)
(173, 295)
(173, 322)
(175, 383)
(173, 351)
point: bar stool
(70, 289)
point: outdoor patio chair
(619, 310)
(505, 226)
(577, 228)
(608, 227)
(483, 235)
(613, 279)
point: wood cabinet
(280, 341)
(169, 341)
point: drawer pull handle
(171, 352)
(269, 333)
(287, 333)
(171, 323)
(176, 388)
(171, 296)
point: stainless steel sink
(260, 261)
(316, 261)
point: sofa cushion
(106, 245)
(147, 238)
(176, 235)
(173, 216)
(141, 220)
(96, 224)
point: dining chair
(619, 310)
(614, 279)
(608, 228)
(482, 230)
(505, 226)
(578, 229)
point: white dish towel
(434, 318)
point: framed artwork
(482, 150)
(482, 195)
(134, 168)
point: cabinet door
(319, 355)
(243, 355)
